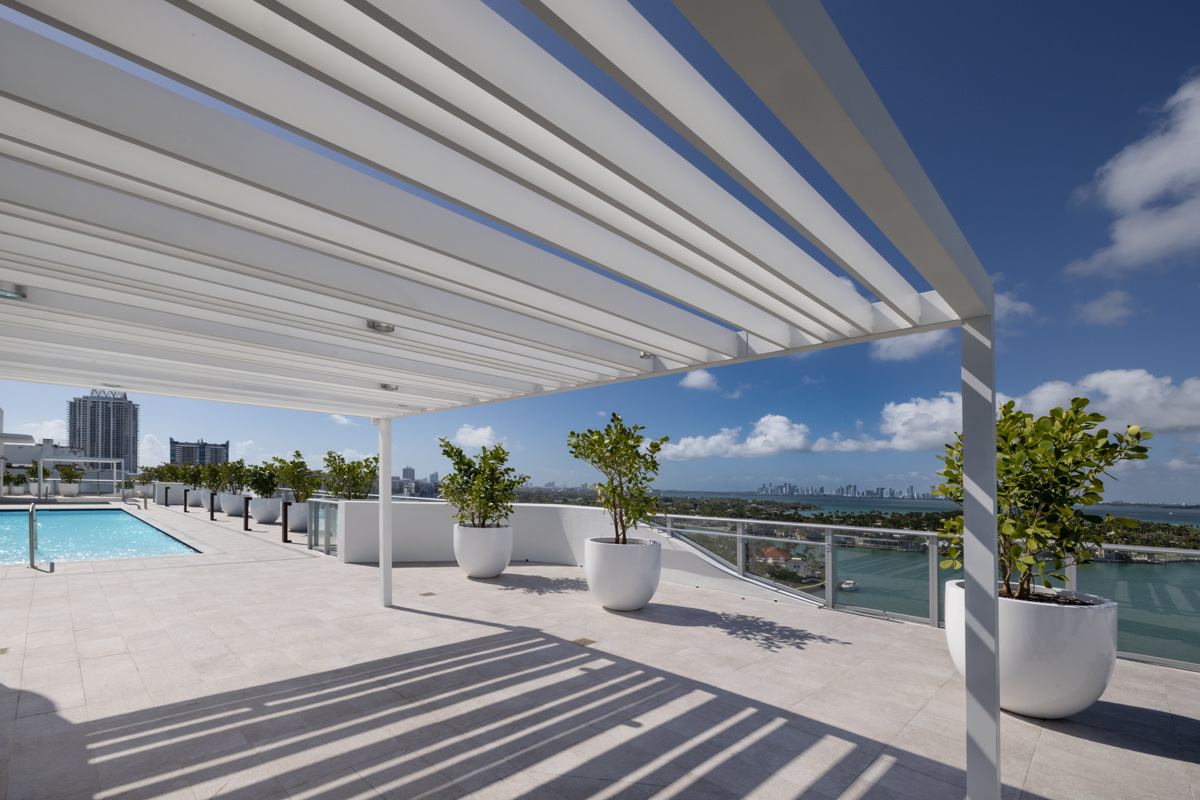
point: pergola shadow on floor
(256, 670)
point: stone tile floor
(259, 670)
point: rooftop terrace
(262, 670)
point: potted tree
(211, 484)
(263, 480)
(1057, 648)
(481, 489)
(14, 482)
(69, 477)
(31, 477)
(193, 476)
(622, 572)
(233, 477)
(303, 482)
(350, 480)
(145, 480)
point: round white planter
(483, 552)
(18, 488)
(1055, 660)
(196, 498)
(298, 517)
(232, 504)
(68, 489)
(265, 510)
(623, 577)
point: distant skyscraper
(409, 474)
(105, 425)
(433, 477)
(200, 452)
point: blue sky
(1064, 138)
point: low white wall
(551, 534)
(176, 496)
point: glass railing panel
(882, 572)
(799, 566)
(1158, 601)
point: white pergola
(386, 207)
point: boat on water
(848, 586)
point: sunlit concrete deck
(259, 670)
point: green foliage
(69, 473)
(298, 476)
(147, 476)
(263, 479)
(31, 472)
(192, 475)
(234, 475)
(211, 478)
(1045, 468)
(352, 480)
(627, 461)
(481, 488)
(127, 483)
(14, 478)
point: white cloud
(1126, 397)
(1153, 189)
(50, 429)
(700, 379)
(338, 419)
(1110, 308)
(1009, 307)
(911, 347)
(244, 450)
(152, 451)
(470, 436)
(920, 424)
(773, 434)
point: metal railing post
(284, 524)
(211, 507)
(167, 496)
(32, 534)
(741, 546)
(185, 494)
(246, 514)
(934, 557)
(830, 570)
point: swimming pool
(83, 535)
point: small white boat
(848, 586)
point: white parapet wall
(549, 534)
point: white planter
(233, 504)
(265, 510)
(623, 577)
(196, 498)
(68, 489)
(298, 517)
(483, 552)
(17, 488)
(1055, 660)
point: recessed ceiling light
(12, 291)
(390, 387)
(644, 354)
(381, 327)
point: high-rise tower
(105, 425)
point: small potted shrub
(481, 489)
(303, 482)
(622, 572)
(264, 482)
(211, 484)
(350, 480)
(192, 476)
(233, 478)
(69, 477)
(1057, 648)
(14, 482)
(31, 478)
(145, 481)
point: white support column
(385, 510)
(979, 557)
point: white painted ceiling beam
(634, 54)
(800, 66)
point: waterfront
(1147, 512)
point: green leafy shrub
(233, 475)
(352, 480)
(69, 473)
(480, 487)
(14, 478)
(147, 476)
(31, 474)
(1045, 468)
(628, 462)
(211, 478)
(263, 479)
(298, 476)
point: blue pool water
(78, 535)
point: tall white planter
(265, 510)
(483, 552)
(298, 517)
(68, 489)
(196, 498)
(623, 577)
(233, 504)
(1055, 660)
